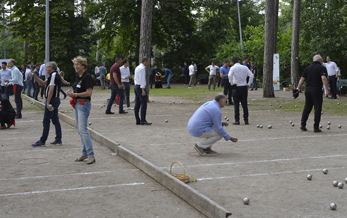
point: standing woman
(81, 94)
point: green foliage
(183, 30)
(70, 33)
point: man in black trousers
(238, 76)
(141, 94)
(315, 77)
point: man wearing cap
(206, 123)
(315, 77)
(5, 76)
(52, 89)
(17, 82)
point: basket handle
(177, 163)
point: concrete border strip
(194, 198)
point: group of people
(217, 76)
(206, 122)
(120, 84)
(80, 95)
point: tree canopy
(182, 31)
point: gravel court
(46, 182)
(274, 155)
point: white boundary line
(266, 161)
(64, 175)
(256, 139)
(263, 174)
(71, 189)
(38, 150)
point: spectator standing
(255, 73)
(332, 76)
(117, 87)
(17, 82)
(212, 70)
(168, 75)
(102, 72)
(224, 72)
(82, 93)
(37, 87)
(315, 77)
(52, 90)
(29, 81)
(192, 75)
(5, 77)
(238, 75)
(125, 76)
(185, 73)
(140, 92)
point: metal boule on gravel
(293, 124)
(340, 126)
(320, 126)
(333, 206)
(325, 171)
(290, 121)
(227, 119)
(328, 127)
(340, 185)
(260, 126)
(346, 180)
(309, 177)
(329, 123)
(335, 183)
(269, 126)
(245, 201)
(166, 121)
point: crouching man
(206, 123)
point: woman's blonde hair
(80, 60)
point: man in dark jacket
(315, 77)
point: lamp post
(240, 28)
(47, 32)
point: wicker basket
(184, 177)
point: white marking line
(38, 150)
(63, 175)
(28, 121)
(71, 189)
(257, 139)
(263, 174)
(292, 137)
(266, 161)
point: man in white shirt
(212, 70)
(5, 76)
(192, 75)
(332, 76)
(125, 78)
(17, 82)
(140, 92)
(238, 76)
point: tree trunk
(269, 48)
(294, 65)
(275, 17)
(146, 29)
(146, 36)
